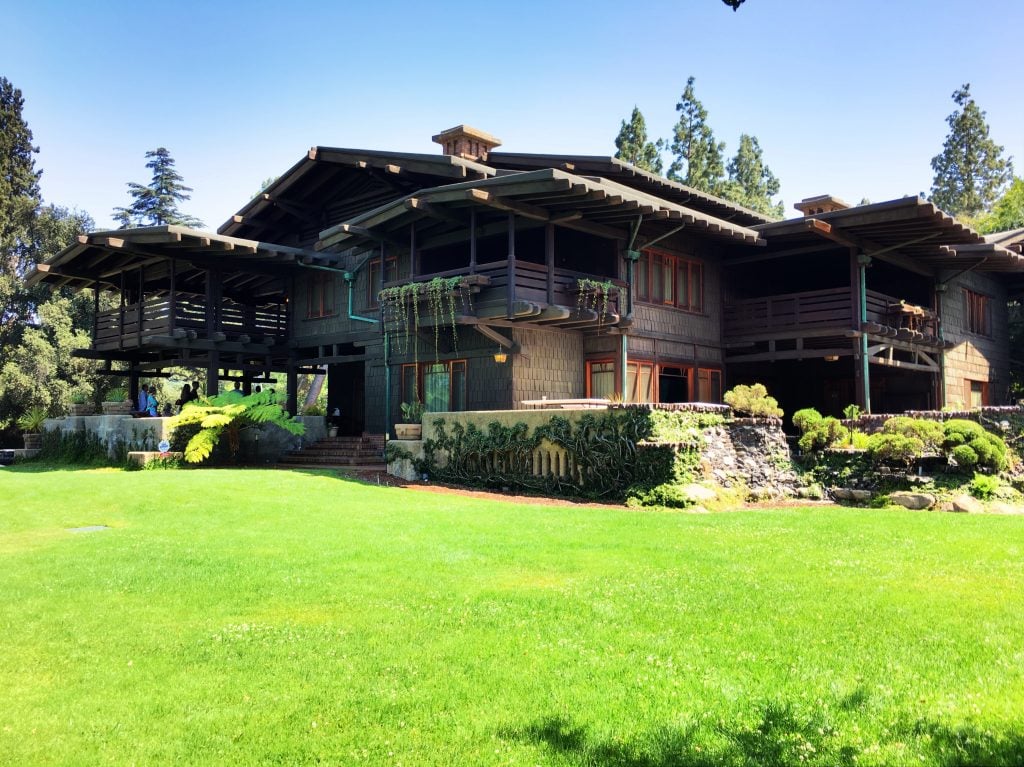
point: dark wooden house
(557, 277)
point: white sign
(164, 446)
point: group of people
(149, 407)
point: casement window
(651, 382)
(373, 277)
(440, 386)
(640, 382)
(601, 378)
(976, 393)
(320, 299)
(976, 310)
(668, 280)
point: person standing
(143, 402)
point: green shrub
(930, 433)
(32, 420)
(894, 449)
(825, 433)
(805, 419)
(984, 486)
(119, 394)
(852, 412)
(973, 447)
(753, 401)
(859, 439)
(668, 494)
(79, 448)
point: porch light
(831, 358)
(500, 356)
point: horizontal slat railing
(808, 309)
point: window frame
(977, 313)
(651, 287)
(419, 369)
(320, 296)
(696, 375)
(373, 278)
(969, 384)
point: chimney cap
(822, 203)
(469, 132)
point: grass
(265, 617)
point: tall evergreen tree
(157, 203)
(632, 145)
(697, 157)
(751, 183)
(19, 204)
(970, 172)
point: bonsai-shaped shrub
(930, 433)
(31, 421)
(972, 447)
(412, 412)
(891, 449)
(227, 415)
(826, 432)
(805, 419)
(753, 400)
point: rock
(967, 503)
(1000, 507)
(914, 501)
(698, 493)
(851, 494)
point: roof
(364, 178)
(102, 257)
(629, 174)
(591, 204)
(910, 231)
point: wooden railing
(128, 325)
(818, 310)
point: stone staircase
(364, 453)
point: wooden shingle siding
(554, 368)
(976, 357)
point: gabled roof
(591, 204)
(330, 184)
(630, 175)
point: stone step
(328, 461)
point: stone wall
(751, 453)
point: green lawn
(266, 617)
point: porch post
(292, 404)
(510, 271)
(549, 260)
(212, 300)
(624, 367)
(413, 255)
(172, 299)
(940, 292)
(472, 241)
(859, 306)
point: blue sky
(847, 97)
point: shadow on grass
(781, 738)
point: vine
(401, 307)
(594, 295)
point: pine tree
(19, 206)
(632, 145)
(751, 183)
(697, 156)
(157, 203)
(970, 172)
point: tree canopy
(1007, 213)
(970, 171)
(697, 156)
(632, 145)
(751, 183)
(156, 204)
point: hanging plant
(402, 310)
(593, 294)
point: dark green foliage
(751, 183)
(632, 145)
(78, 448)
(156, 204)
(697, 156)
(667, 494)
(891, 449)
(827, 432)
(805, 419)
(1007, 213)
(970, 172)
(611, 454)
(929, 433)
(973, 447)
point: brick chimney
(823, 203)
(467, 142)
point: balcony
(175, 319)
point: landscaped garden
(268, 617)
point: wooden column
(120, 317)
(510, 289)
(95, 311)
(212, 310)
(549, 259)
(413, 253)
(472, 241)
(172, 299)
(138, 308)
(859, 383)
(292, 389)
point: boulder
(914, 501)
(1000, 507)
(967, 503)
(699, 494)
(851, 494)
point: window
(976, 312)
(440, 386)
(662, 278)
(320, 300)
(640, 382)
(709, 385)
(601, 378)
(373, 278)
(976, 393)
